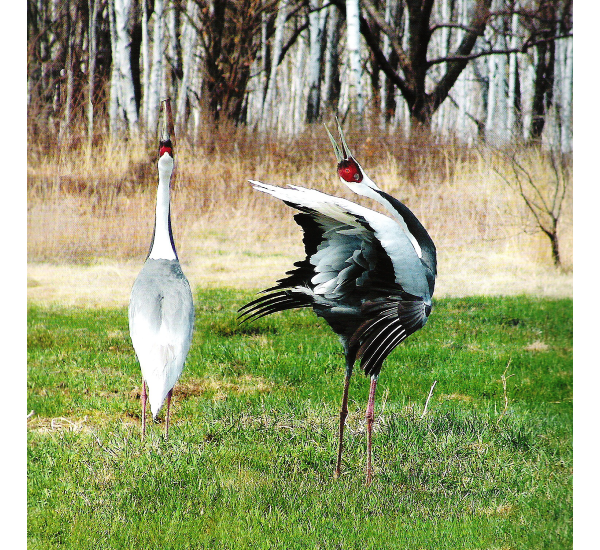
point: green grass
(250, 457)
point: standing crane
(161, 308)
(371, 277)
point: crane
(369, 276)
(161, 307)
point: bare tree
(543, 197)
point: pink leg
(343, 415)
(168, 413)
(144, 397)
(370, 416)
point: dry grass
(90, 214)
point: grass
(85, 204)
(252, 449)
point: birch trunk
(115, 84)
(513, 75)
(317, 20)
(122, 15)
(145, 62)
(157, 66)
(353, 47)
(188, 44)
(69, 31)
(92, 47)
(331, 81)
(174, 49)
(277, 48)
(566, 108)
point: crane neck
(163, 246)
(368, 188)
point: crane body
(369, 275)
(161, 307)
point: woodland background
(497, 70)
(461, 108)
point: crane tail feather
(272, 303)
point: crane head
(166, 133)
(165, 147)
(348, 169)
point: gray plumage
(161, 322)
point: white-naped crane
(161, 307)
(371, 277)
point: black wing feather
(389, 322)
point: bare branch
(527, 45)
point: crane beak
(336, 149)
(166, 130)
(343, 152)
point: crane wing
(390, 321)
(346, 228)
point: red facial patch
(165, 149)
(349, 171)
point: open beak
(343, 152)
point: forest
(494, 70)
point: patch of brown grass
(95, 209)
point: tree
(412, 43)
(317, 17)
(543, 197)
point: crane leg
(168, 413)
(144, 398)
(370, 416)
(343, 415)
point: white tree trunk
(513, 74)
(156, 77)
(277, 48)
(92, 48)
(353, 47)
(122, 14)
(317, 20)
(188, 45)
(174, 49)
(115, 102)
(566, 106)
(331, 57)
(145, 63)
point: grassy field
(250, 457)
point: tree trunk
(115, 102)
(123, 34)
(93, 6)
(68, 115)
(145, 63)
(513, 77)
(277, 48)
(316, 25)
(353, 48)
(566, 106)
(543, 85)
(156, 78)
(188, 43)
(174, 49)
(331, 81)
